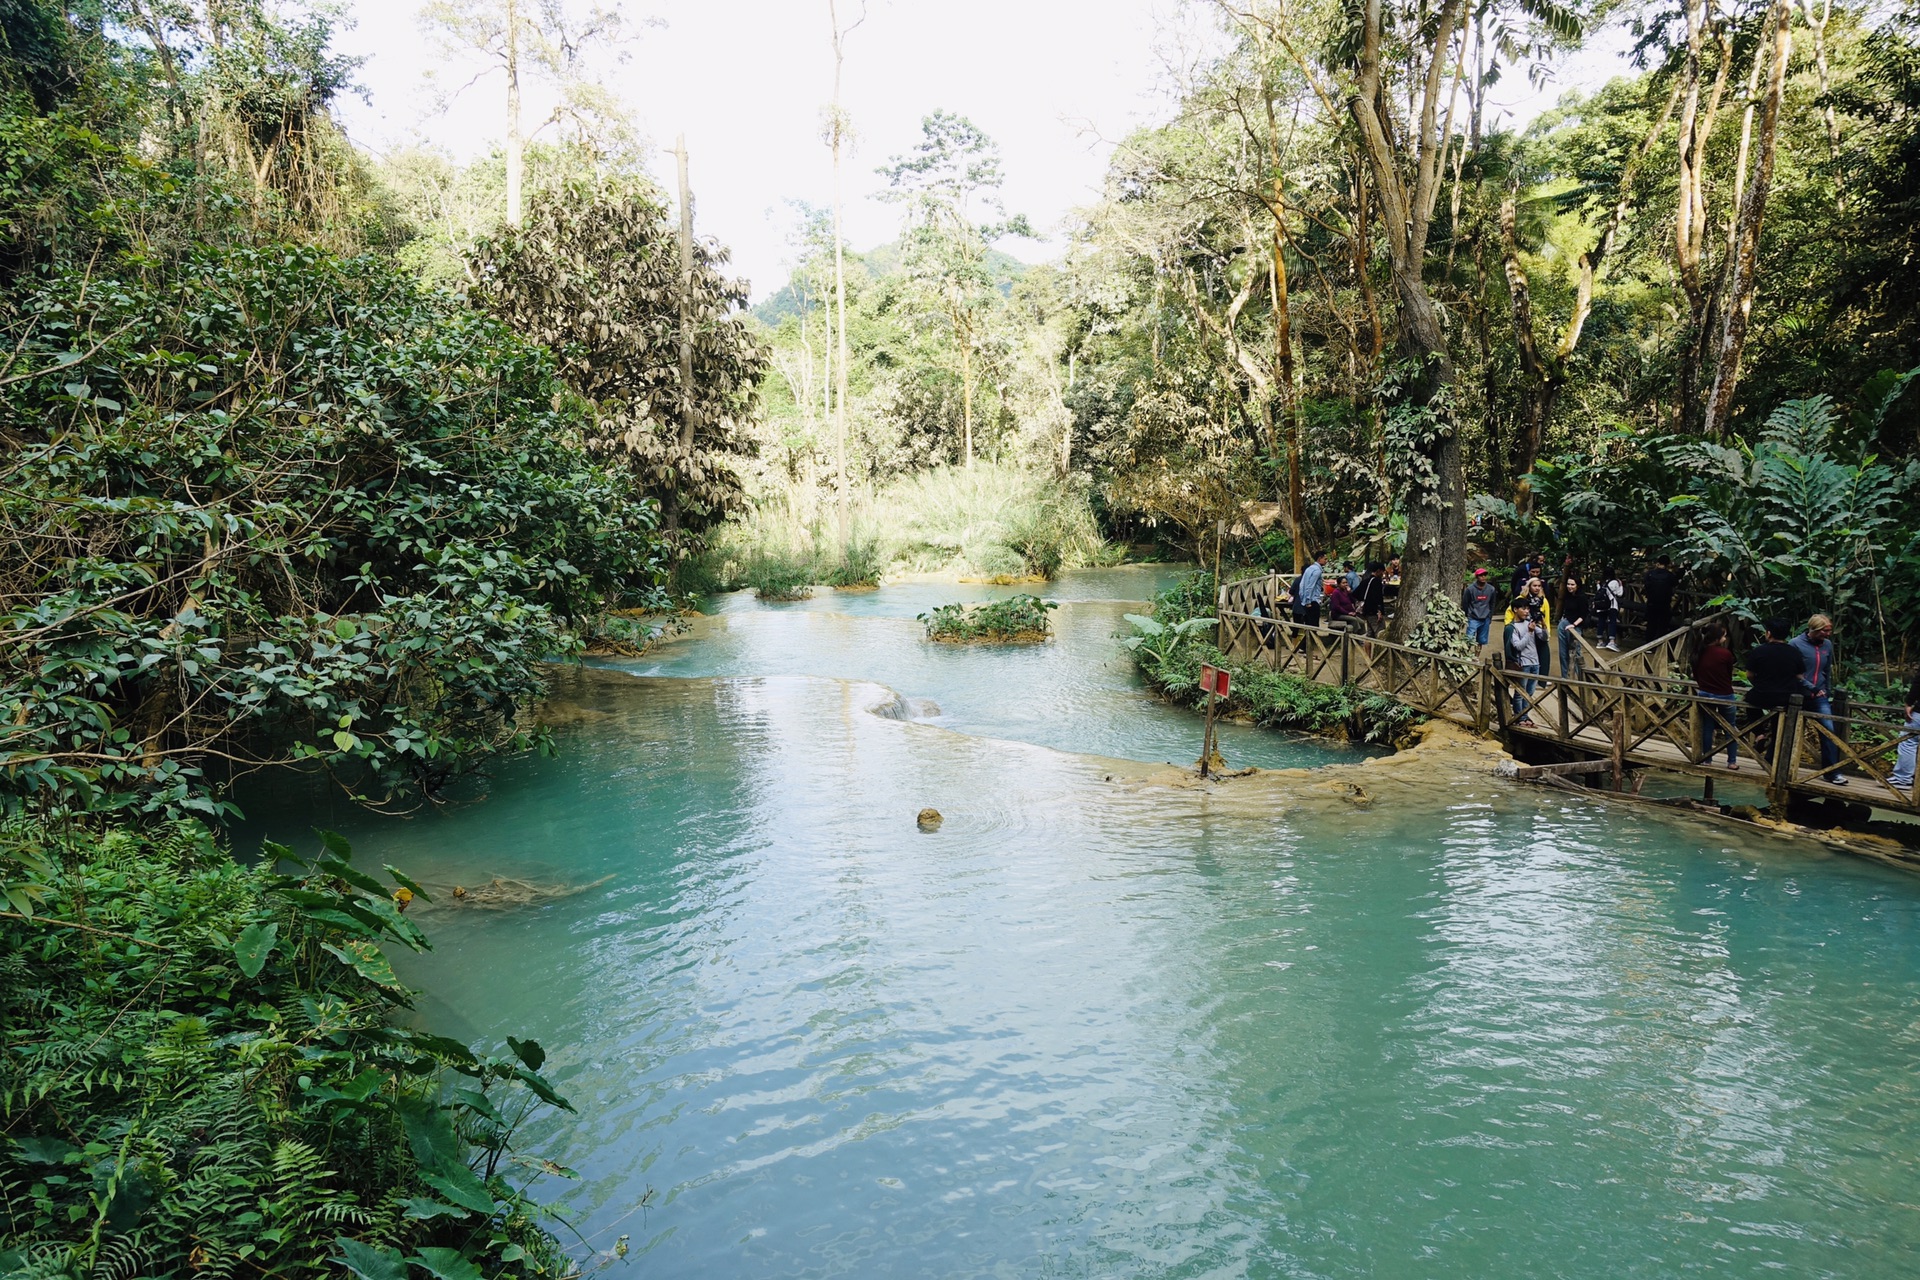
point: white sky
(1053, 81)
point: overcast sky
(1053, 81)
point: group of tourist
(1789, 662)
(1343, 597)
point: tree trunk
(1827, 115)
(966, 387)
(1696, 130)
(1744, 268)
(840, 269)
(1283, 340)
(689, 412)
(1436, 551)
(1541, 378)
(515, 145)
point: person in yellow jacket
(1542, 613)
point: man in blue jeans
(1307, 592)
(1477, 600)
(1815, 647)
(1903, 763)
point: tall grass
(991, 520)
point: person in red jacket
(1713, 675)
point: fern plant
(202, 1074)
(1791, 526)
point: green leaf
(463, 1188)
(337, 845)
(366, 960)
(429, 1128)
(253, 946)
(369, 1263)
(445, 1264)
(422, 1208)
(407, 882)
(353, 876)
(529, 1052)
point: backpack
(1603, 601)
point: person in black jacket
(1775, 668)
(1372, 597)
(1659, 584)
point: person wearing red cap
(1478, 600)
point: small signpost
(1215, 682)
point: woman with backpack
(1609, 595)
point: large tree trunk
(1436, 552)
(1743, 275)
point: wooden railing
(1649, 718)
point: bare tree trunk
(838, 127)
(1746, 130)
(1696, 130)
(1827, 115)
(965, 334)
(1743, 273)
(516, 146)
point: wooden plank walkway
(1631, 707)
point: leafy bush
(860, 563)
(284, 505)
(206, 1071)
(1020, 618)
(774, 576)
(1170, 647)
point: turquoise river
(1107, 1023)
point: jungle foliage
(204, 1071)
(1171, 645)
(268, 498)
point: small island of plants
(1018, 619)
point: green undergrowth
(1016, 619)
(208, 1070)
(989, 521)
(1170, 646)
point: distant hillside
(876, 263)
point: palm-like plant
(1791, 527)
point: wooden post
(1480, 702)
(1206, 741)
(1346, 648)
(1696, 722)
(1620, 748)
(1786, 755)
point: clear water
(1099, 1026)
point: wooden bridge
(1618, 710)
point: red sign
(1214, 680)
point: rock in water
(930, 820)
